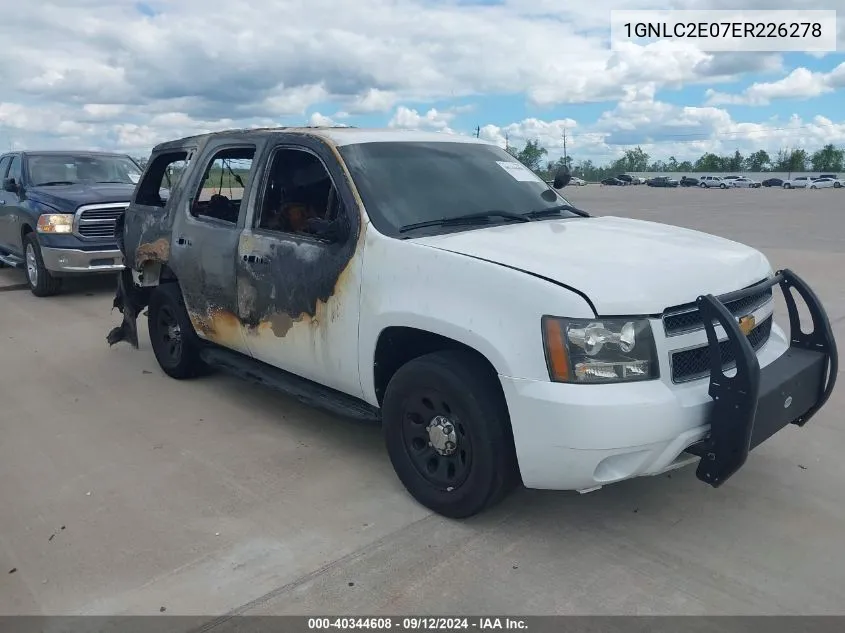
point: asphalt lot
(124, 491)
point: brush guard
(754, 404)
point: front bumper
(578, 437)
(75, 261)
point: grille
(687, 318)
(692, 364)
(98, 222)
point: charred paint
(297, 280)
(158, 251)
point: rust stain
(220, 326)
(158, 251)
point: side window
(160, 177)
(15, 169)
(222, 188)
(299, 197)
(4, 165)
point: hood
(66, 198)
(624, 266)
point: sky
(124, 75)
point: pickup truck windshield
(71, 169)
(410, 183)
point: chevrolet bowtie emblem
(746, 324)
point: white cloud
(411, 119)
(100, 73)
(799, 84)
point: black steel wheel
(435, 438)
(172, 336)
(448, 433)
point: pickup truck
(58, 212)
(436, 286)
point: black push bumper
(756, 403)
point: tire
(457, 390)
(813, 187)
(723, 186)
(837, 185)
(39, 279)
(175, 344)
(702, 185)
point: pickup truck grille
(694, 363)
(683, 319)
(97, 221)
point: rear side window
(160, 178)
(222, 187)
(4, 165)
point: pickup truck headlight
(55, 223)
(599, 350)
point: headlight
(55, 223)
(599, 350)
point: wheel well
(24, 230)
(399, 345)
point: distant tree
(531, 155)
(758, 161)
(672, 165)
(659, 165)
(798, 160)
(685, 166)
(828, 158)
(735, 162)
(708, 162)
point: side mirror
(10, 185)
(562, 177)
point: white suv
(712, 181)
(799, 182)
(469, 309)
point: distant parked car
(613, 182)
(743, 183)
(772, 182)
(626, 179)
(662, 181)
(824, 183)
(800, 182)
(577, 182)
(638, 180)
(712, 181)
(731, 177)
(834, 176)
(689, 181)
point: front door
(205, 243)
(10, 237)
(299, 266)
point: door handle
(183, 242)
(255, 259)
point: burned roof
(333, 135)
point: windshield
(408, 183)
(71, 169)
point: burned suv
(434, 284)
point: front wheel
(837, 185)
(41, 282)
(448, 434)
(174, 342)
(723, 186)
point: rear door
(204, 242)
(299, 265)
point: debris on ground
(13, 570)
(802, 467)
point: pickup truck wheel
(448, 434)
(41, 282)
(172, 336)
